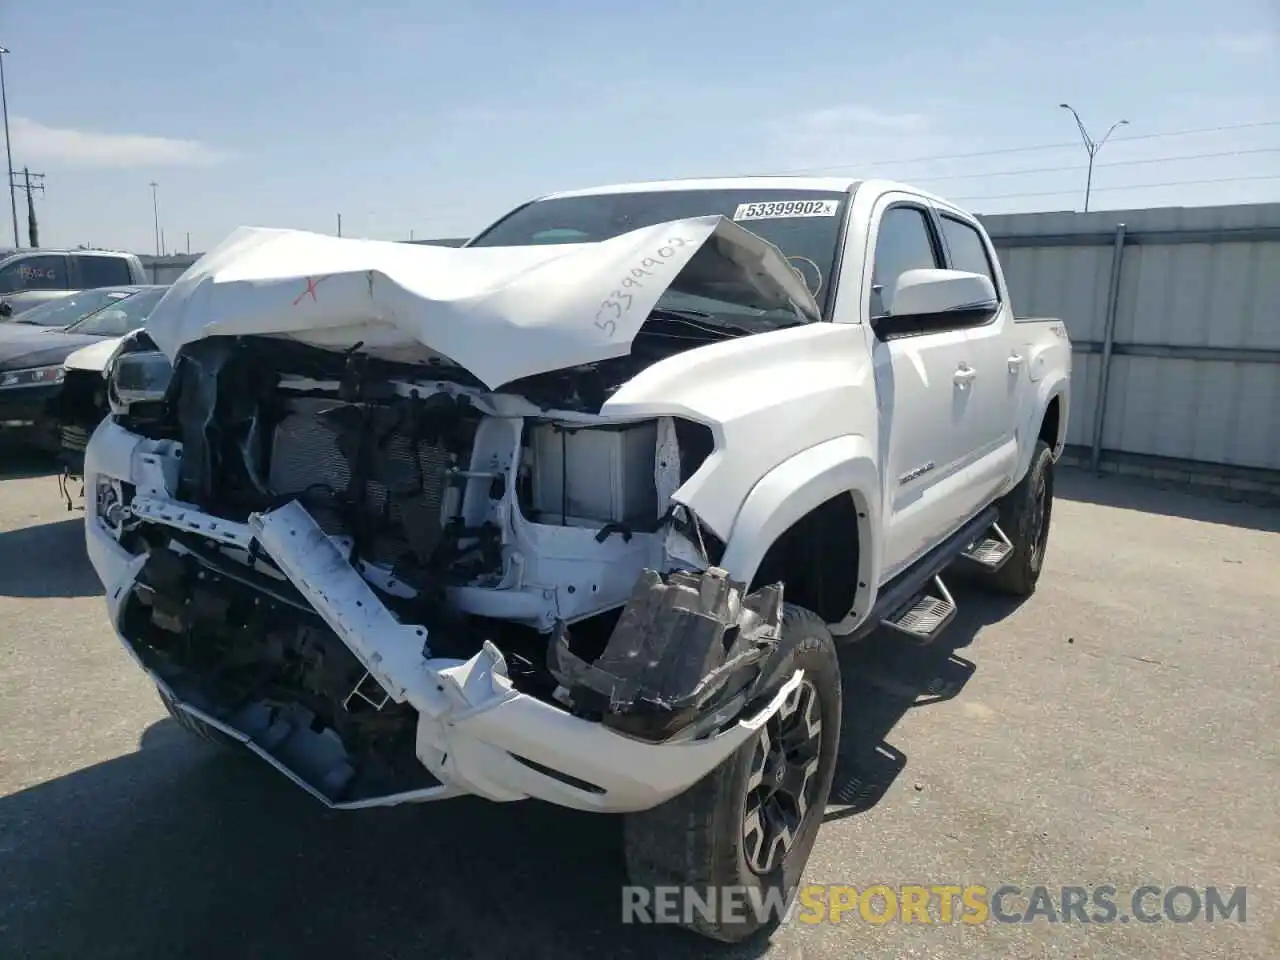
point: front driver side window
(43, 272)
(904, 242)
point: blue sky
(436, 117)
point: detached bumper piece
(688, 655)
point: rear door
(922, 391)
(35, 271)
(97, 270)
(999, 369)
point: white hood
(93, 357)
(502, 313)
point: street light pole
(155, 212)
(8, 148)
(1092, 146)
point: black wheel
(1025, 513)
(752, 822)
(195, 726)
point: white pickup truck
(580, 510)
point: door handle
(1015, 362)
(964, 375)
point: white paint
(548, 306)
(921, 431)
(93, 358)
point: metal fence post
(1108, 341)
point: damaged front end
(397, 590)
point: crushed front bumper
(476, 734)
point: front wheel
(739, 839)
(1025, 512)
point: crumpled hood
(27, 345)
(502, 313)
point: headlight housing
(139, 378)
(137, 374)
(32, 376)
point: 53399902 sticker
(782, 209)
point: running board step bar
(992, 552)
(925, 617)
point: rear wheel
(749, 826)
(1025, 513)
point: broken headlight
(137, 373)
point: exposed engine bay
(378, 525)
(494, 522)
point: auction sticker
(781, 209)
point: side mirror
(938, 298)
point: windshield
(803, 224)
(67, 310)
(121, 316)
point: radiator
(304, 454)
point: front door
(923, 385)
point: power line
(1117, 163)
(1044, 146)
(1127, 186)
(462, 208)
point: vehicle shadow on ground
(18, 462)
(884, 677)
(180, 848)
(47, 560)
(1150, 496)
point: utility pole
(155, 213)
(411, 236)
(8, 148)
(164, 247)
(1092, 146)
(188, 241)
(339, 224)
(33, 228)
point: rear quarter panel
(1045, 344)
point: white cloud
(34, 141)
(851, 118)
(1246, 44)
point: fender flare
(1056, 388)
(845, 464)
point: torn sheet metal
(502, 313)
(682, 649)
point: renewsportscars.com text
(944, 903)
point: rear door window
(100, 271)
(966, 250)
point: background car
(16, 304)
(33, 349)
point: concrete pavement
(1119, 727)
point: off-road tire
(696, 839)
(1023, 512)
(195, 726)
